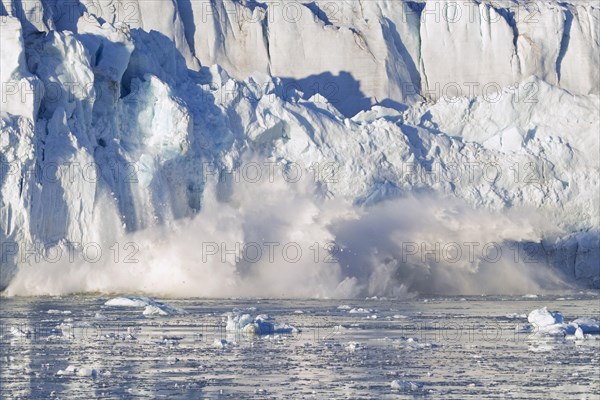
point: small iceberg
(129, 302)
(260, 325)
(151, 306)
(552, 323)
(543, 317)
(587, 325)
(154, 310)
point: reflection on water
(436, 347)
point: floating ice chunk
(413, 343)
(220, 343)
(541, 348)
(18, 332)
(261, 325)
(360, 311)
(120, 336)
(344, 307)
(237, 322)
(86, 372)
(154, 310)
(579, 334)
(552, 323)
(587, 325)
(129, 302)
(152, 307)
(353, 346)
(74, 371)
(405, 385)
(70, 370)
(530, 296)
(544, 318)
(161, 310)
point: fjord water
(425, 347)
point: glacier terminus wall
(440, 121)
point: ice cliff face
(115, 112)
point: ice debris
(259, 325)
(405, 385)
(151, 306)
(74, 371)
(545, 322)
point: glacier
(407, 122)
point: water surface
(450, 348)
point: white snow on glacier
(415, 126)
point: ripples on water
(450, 348)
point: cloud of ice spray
(431, 244)
(277, 239)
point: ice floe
(543, 318)
(154, 310)
(128, 302)
(221, 343)
(81, 372)
(18, 332)
(259, 325)
(551, 323)
(151, 306)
